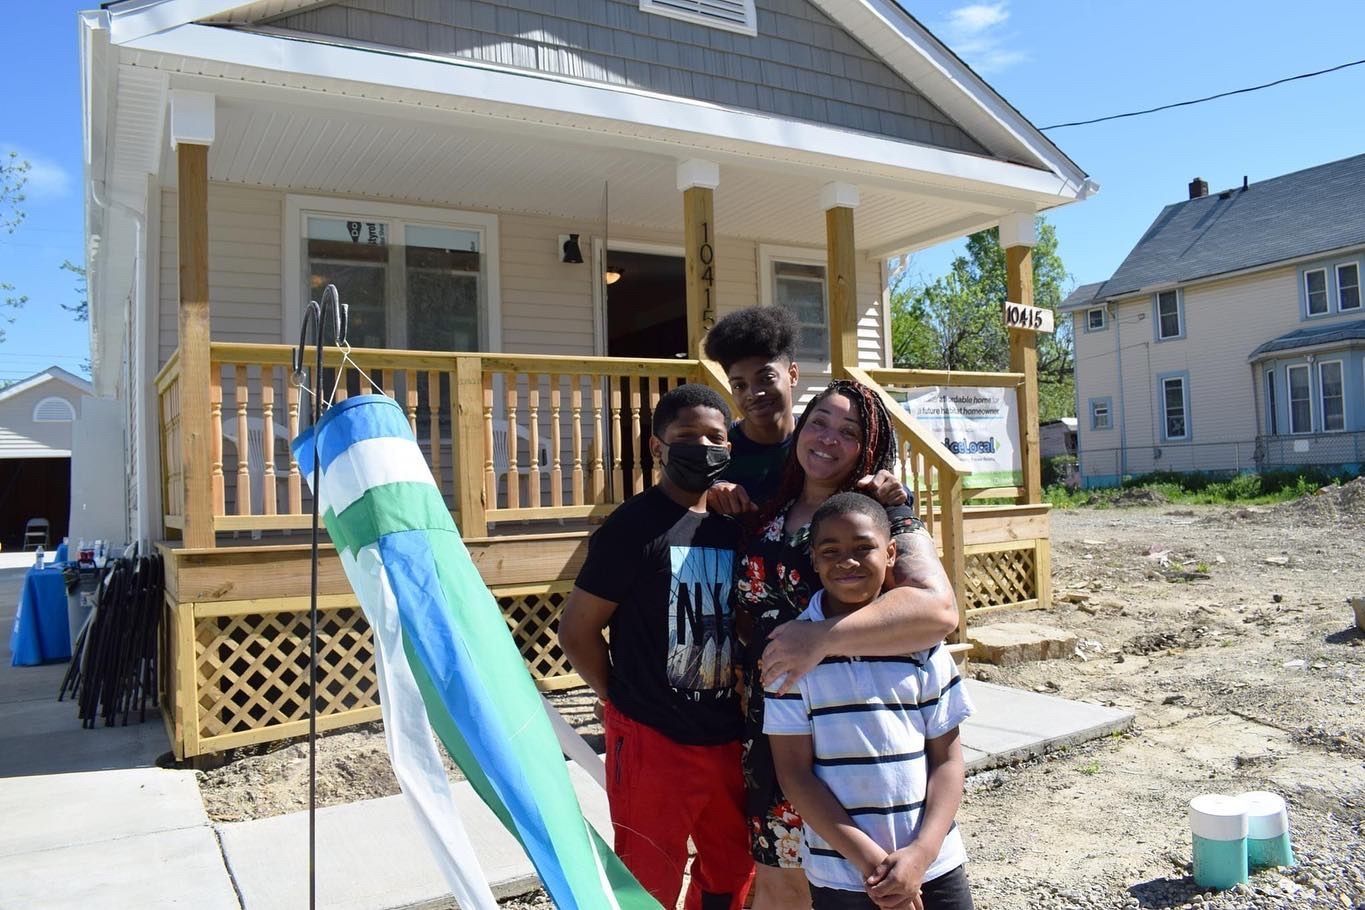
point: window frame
(1107, 404)
(1289, 397)
(748, 27)
(1104, 319)
(1322, 396)
(298, 208)
(1308, 294)
(1336, 273)
(1271, 403)
(1179, 314)
(1184, 379)
(771, 254)
(48, 399)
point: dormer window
(731, 15)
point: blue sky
(1055, 60)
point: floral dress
(774, 583)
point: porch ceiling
(470, 165)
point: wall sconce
(612, 274)
(569, 250)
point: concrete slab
(181, 868)
(1012, 724)
(1009, 643)
(51, 811)
(371, 855)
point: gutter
(1113, 315)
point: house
(37, 416)
(1057, 437)
(1232, 337)
(534, 210)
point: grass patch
(1197, 489)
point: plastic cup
(1267, 830)
(1218, 829)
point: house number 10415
(706, 255)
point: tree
(80, 310)
(13, 177)
(954, 322)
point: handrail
(934, 450)
(168, 371)
(920, 378)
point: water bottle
(38, 558)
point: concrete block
(1012, 643)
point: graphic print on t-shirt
(700, 633)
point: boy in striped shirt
(867, 749)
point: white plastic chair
(501, 461)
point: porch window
(1332, 396)
(406, 285)
(1315, 291)
(1272, 422)
(1300, 399)
(1348, 287)
(1169, 321)
(1174, 407)
(1095, 319)
(793, 278)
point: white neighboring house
(37, 420)
(1232, 337)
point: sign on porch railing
(980, 425)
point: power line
(1240, 91)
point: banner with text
(978, 425)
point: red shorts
(662, 793)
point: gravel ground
(1224, 629)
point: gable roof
(1316, 210)
(1081, 296)
(51, 374)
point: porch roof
(1342, 333)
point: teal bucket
(1268, 843)
(1218, 829)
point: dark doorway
(34, 488)
(646, 317)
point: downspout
(1113, 308)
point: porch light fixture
(569, 250)
(613, 274)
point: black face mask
(693, 466)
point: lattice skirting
(1003, 575)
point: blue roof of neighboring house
(1310, 211)
(1314, 336)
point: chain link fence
(1344, 452)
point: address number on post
(1028, 318)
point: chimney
(1199, 188)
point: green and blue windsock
(447, 663)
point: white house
(37, 416)
(1232, 337)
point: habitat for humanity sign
(977, 425)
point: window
(1332, 395)
(1300, 399)
(1169, 323)
(53, 410)
(1272, 421)
(1100, 414)
(1095, 319)
(1348, 287)
(1315, 291)
(732, 15)
(794, 278)
(1174, 405)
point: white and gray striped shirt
(869, 718)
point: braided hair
(878, 451)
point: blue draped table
(40, 633)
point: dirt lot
(1224, 629)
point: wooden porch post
(192, 128)
(839, 200)
(697, 181)
(1017, 237)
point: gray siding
(801, 65)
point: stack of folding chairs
(113, 662)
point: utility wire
(1240, 91)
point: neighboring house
(1232, 337)
(1057, 437)
(37, 416)
(534, 210)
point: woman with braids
(844, 434)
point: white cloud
(46, 178)
(976, 32)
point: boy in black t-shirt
(658, 574)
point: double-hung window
(794, 279)
(1300, 399)
(1315, 292)
(1348, 287)
(1095, 319)
(1175, 408)
(1332, 396)
(1170, 321)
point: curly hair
(878, 451)
(757, 331)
